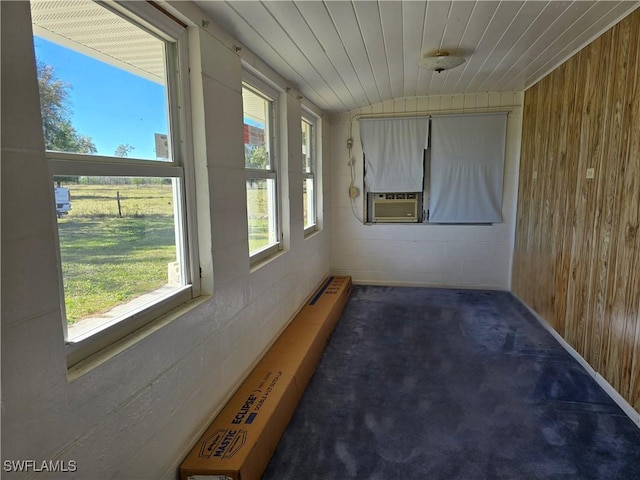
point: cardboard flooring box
(241, 440)
(297, 352)
(243, 437)
(327, 304)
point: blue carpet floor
(435, 384)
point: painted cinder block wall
(136, 414)
(474, 256)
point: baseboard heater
(241, 440)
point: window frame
(313, 121)
(180, 167)
(260, 88)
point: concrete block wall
(475, 256)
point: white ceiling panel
(347, 54)
(482, 15)
(435, 20)
(477, 55)
(455, 26)
(278, 38)
(552, 22)
(294, 25)
(317, 17)
(370, 25)
(567, 43)
(413, 15)
(392, 35)
(346, 24)
(503, 47)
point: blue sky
(108, 104)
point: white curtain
(467, 162)
(393, 151)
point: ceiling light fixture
(440, 62)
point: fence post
(118, 199)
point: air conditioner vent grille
(395, 209)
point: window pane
(261, 214)
(117, 245)
(256, 130)
(309, 203)
(307, 131)
(102, 82)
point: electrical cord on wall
(353, 190)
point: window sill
(368, 224)
(266, 260)
(95, 360)
(312, 231)
(85, 329)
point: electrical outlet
(353, 191)
(535, 175)
(591, 172)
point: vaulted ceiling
(347, 54)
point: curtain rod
(432, 113)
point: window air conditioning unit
(395, 207)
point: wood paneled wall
(577, 249)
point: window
(463, 181)
(261, 169)
(309, 196)
(109, 100)
(467, 163)
(394, 167)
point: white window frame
(272, 95)
(181, 168)
(313, 121)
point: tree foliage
(59, 133)
(123, 150)
(257, 157)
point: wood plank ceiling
(343, 55)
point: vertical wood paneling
(619, 278)
(635, 369)
(626, 293)
(634, 153)
(577, 259)
(597, 71)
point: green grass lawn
(108, 260)
(258, 224)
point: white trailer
(63, 201)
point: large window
(259, 110)
(462, 182)
(309, 160)
(110, 92)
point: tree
(123, 150)
(257, 157)
(59, 133)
